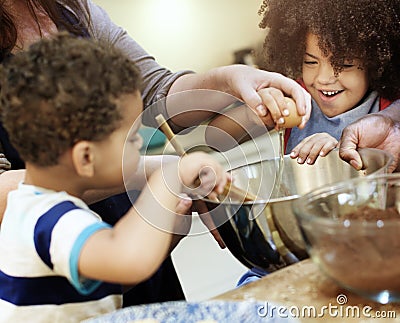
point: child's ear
(83, 158)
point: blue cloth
(252, 275)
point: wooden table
(301, 288)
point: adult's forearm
(200, 97)
(234, 82)
(212, 80)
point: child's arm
(147, 165)
(135, 247)
(308, 150)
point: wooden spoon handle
(166, 129)
(229, 188)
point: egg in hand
(293, 119)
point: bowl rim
(337, 187)
(256, 202)
(295, 197)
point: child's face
(334, 95)
(122, 147)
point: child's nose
(326, 74)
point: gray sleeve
(157, 80)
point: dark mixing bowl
(265, 233)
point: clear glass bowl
(352, 231)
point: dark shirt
(9, 151)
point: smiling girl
(346, 54)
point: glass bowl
(352, 231)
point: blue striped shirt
(41, 237)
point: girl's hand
(319, 144)
(4, 164)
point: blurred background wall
(189, 34)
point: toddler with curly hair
(72, 107)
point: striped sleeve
(59, 236)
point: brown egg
(293, 119)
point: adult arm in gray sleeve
(240, 81)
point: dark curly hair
(368, 30)
(63, 90)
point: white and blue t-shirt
(41, 237)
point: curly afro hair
(368, 30)
(61, 91)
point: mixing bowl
(352, 231)
(264, 233)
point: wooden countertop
(302, 287)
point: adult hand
(244, 82)
(373, 131)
